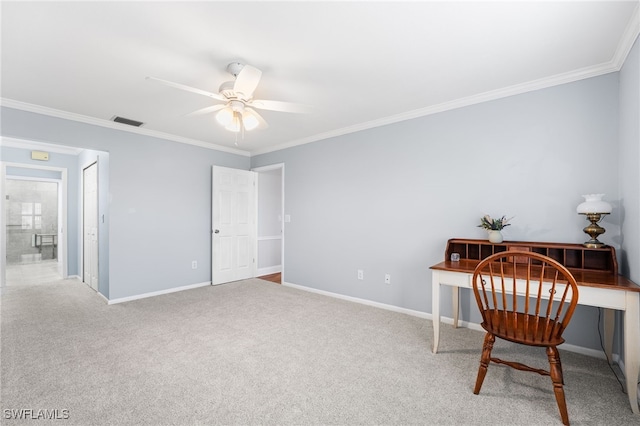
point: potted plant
(494, 226)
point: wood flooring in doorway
(274, 278)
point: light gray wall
(269, 202)
(629, 171)
(386, 200)
(630, 163)
(33, 173)
(159, 200)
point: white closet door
(90, 226)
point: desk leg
(435, 308)
(609, 323)
(456, 305)
(632, 347)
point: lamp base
(593, 244)
(594, 230)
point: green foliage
(493, 224)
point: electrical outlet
(387, 278)
(360, 274)
(194, 264)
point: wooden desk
(595, 273)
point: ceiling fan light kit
(237, 95)
(235, 116)
(235, 125)
(250, 119)
(224, 116)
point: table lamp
(594, 208)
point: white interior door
(90, 226)
(234, 233)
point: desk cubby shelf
(573, 256)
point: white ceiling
(357, 64)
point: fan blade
(189, 88)
(252, 119)
(279, 106)
(206, 110)
(247, 81)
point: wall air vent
(127, 121)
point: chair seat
(522, 328)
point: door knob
(217, 231)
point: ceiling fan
(236, 112)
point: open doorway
(32, 231)
(34, 212)
(271, 220)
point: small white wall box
(40, 155)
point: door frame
(269, 168)
(62, 219)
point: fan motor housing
(227, 86)
(234, 68)
(236, 105)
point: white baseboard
(361, 301)
(71, 277)
(157, 293)
(268, 270)
(77, 278)
(103, 296)
(471, 325)
(595, 353)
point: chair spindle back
(525, 295)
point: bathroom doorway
(33, 223)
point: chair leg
(485, 359)
(555, 371)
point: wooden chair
(528, 319)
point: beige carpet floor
(258, 353)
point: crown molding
(40, 146)
(628, 38)
(517, 89)
(52, 112)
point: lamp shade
(249, 119)
(225, 116)
(594, 204)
